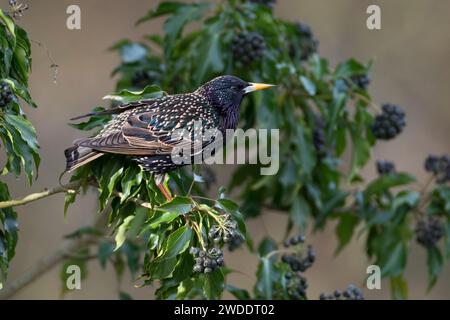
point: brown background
(411, 68)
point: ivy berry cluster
(6, 94)
(351, 293)
(390, 123)
(318, 137)
(298, 261)
(429, 231)
(226, 232)
(361, 81)
(385, 167)
(308, 42)
(248, 47)
(439, 166)
(207, 261)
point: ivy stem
(70, 187)
(197, 230)
(425, 195)
(275, 252)
(372, 104)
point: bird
(143, 130)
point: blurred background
(411, 69)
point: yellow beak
(257, 86)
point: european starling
(144, 129)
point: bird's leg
(159, 180)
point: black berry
(318, 137)
(439, 166)
(267, 3)
(308, 44)
(385, 167)
(429, 232)
(389, 123)
(351, 293)
(207, 261)
(248, 47)
(361, 81)
(6, 95)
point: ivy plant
(325, 116)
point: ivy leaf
(394, 261)
(121, 232)
(434, 263)
(213, 284)
(360, 153)
(300, 211)
(386, 182)
(345, 229)
(164, 8)
(178, 242)
(240, 294)
(309, 86)
(266, 281)
(399, 288)
(126, 96)
(178, 205)
(177, 21)
(133, 52)
(105, 251)
(210, 56)
(349, 68)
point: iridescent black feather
(145, 129)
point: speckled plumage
(144, 129)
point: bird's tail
(77, 156)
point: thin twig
(70, 187)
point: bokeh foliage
(17, 134)
(315, 185)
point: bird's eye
(235, 88)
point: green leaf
(213, 284)
(349, 68)
(133, 52)
(105, 251)
(300, 211)
(266, 277)
(399, 288)
(177, 242)
(385, 182)
(309, 86)
(177, 21)
(434, 263)
(409, 198)
(164, 8)
(210, 57)
(126, 96)
(360, 153)
(394, 260)
(240, 294)
(121, 232)
(88, 230)
(306, 156)
(125, 296)
(266, 246)
(178, 205)
(162, 268)
(345, 229)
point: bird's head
(225, 93)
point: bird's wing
(153, 130)
(119, 109)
